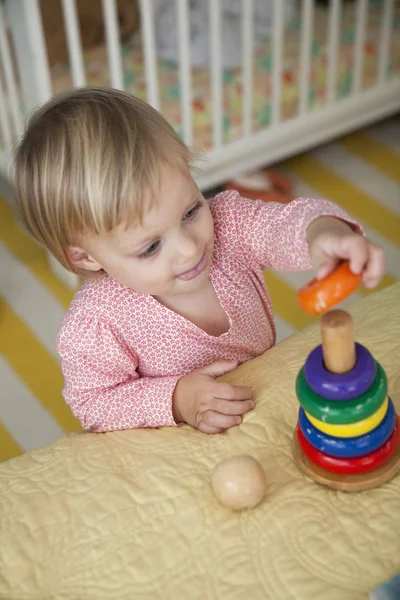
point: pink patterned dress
(122, 352)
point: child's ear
(80, 258)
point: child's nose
(187, 248)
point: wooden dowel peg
(337, 336)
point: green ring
(343, 412)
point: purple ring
(343, 386)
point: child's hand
(332, 240)
(209, 405)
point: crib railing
(25, 77)
(10, 117)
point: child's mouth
(195, 272)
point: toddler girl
(174, 294)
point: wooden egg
(239, 482)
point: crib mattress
(132, 514)
(169, 81)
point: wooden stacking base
(346, 483)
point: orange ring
(317, 296)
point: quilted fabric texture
(132, 515)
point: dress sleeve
(272, 234)
(102, 384)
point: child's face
(169, 253)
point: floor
(360, 172)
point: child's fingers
(218, 368)
(209, 428)
(215, 419)
(355, 249)
(326, 266)
(227, 391)
(375, 268)
(234, 407)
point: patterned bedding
(132, 515)
(169, 83)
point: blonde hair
(85, 162)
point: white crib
(353, 78)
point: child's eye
(151, 250)
(193, 211)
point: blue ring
(349, 447)
(344, 386)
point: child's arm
(102, 385)
(106, 393)
(273, 234)
(294, 236)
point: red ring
(351, 466)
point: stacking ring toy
(349, 411)
(349, 447)
(351, 466)
(344, 386)
(352, 429)
(317, 296)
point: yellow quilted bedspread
(132, 515)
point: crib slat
(185, 69)
(12, 93)
(277, 43)
(305, 57)
(214, 11)
(28, 41)
(74, 42)
(386, 27)
(4, 124)
(247, 49)
(333, 48)
(149, 50)
(110, 16)
(361, 26)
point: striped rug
(360, 172)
